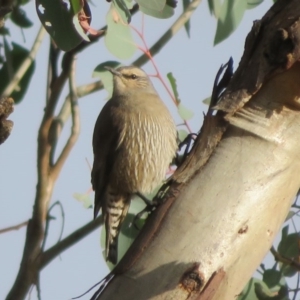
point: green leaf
(157, 5)
(11, 65)
(57, 18)
(290, 215)
(206, 100)
(165, 13)
(288, 247)
(248, 292)
(262, 291)
(4, 31)
(18, 16)
(284, 232)
(85, 199)
(187, 24)
(272, 278)
(182, 134)
(77, 5)
(253, 3)
(184, 113)
(118, 38)
(129, 3)
(105, 75)
(173, 83)
(123, 6)
(215, 7)
(231, 14)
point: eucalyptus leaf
(57, 18)
(157, 5)
(19, 17)
(184, 113)
(182, 134)
(215, 7)
(85, 199)
(173, 83)
(118, 38)
(187, 24)
(13, 61)
(165, 13)
(253, 3)
(231, 14)
(206, 100)
(105, 75)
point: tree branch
(75, 125)
(69, 241)
(15, 227)
(26, 63)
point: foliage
(69, 27)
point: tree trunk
(229, 199)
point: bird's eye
(133, 76)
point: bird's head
(129, 80)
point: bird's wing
(105, 139)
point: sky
(193, 61)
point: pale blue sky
(194, 63)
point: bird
(134, 142)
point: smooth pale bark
(230, 197)
(229, 214)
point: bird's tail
(116, 210)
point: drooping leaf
(123, 6)
(215, 7)
(150, 8)
(206, 100)
(187, 24)
(264, 293)
(253, 3)
(118, 38)
(173, 83)
(290, 215)
(272, 278)
(105, 75)
(289, 248)
(85, 199)
(129, 3)
(182, 134)
(16, 57)
(184, 113)
(248, 292)
(57, 18)
(231, 14)
(157, 5)
(19, 17)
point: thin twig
(15, 227)
(69, 241)
(57, 203)
(75, 124)
(26, 63)
(285, 260)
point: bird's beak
(112, 71)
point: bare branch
(69, 241)
(75, 124)
(26, 63)
(285, 260)
(15, 227)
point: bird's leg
(146, 200)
